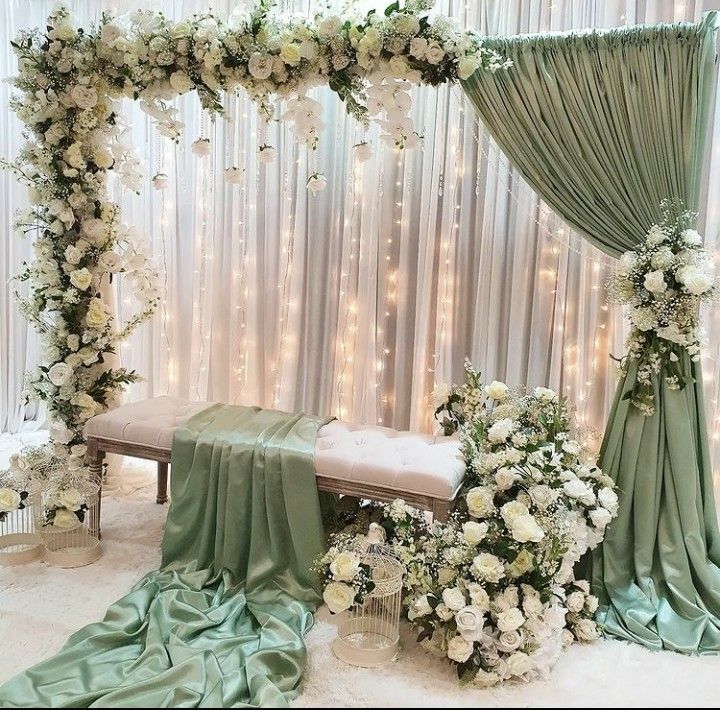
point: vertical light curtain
(604, 126)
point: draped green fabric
(604, 126)
(221, 624)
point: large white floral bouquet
(662, 283)
(493, 590)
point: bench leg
(162, 483)
(441, 510)
(95, 464)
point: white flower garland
(69, 82)
(662, 283)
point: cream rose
(474, 532)
(420, 607)
(338, 596)
(59, 374)
(453, 598)
(487, 568)
(9, 500)
(70, 498)
(500, 430)
(109, 261)
(600, 517)
(65, 519)
(478, 596)
(85, 97)
(698, 282)
(97, 316)
(655, 282)
(544, 394)
(466, 67)
(345, 566)
(72, 255)
(525, 528)
(519, 663)
(81, 278)
(480, 502)
(290, 54)
(470, 621)
(443, 612)
(508, 641)
(497, 391)
(510, 619)
(459, 649)
(181, 82)
(533, 606)
(608, 499)
(691, 238)
(586, 630)
(260, 65)
(575, 602)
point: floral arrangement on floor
(493, 590)
(662, 283)
(58, 474)
(69, 84)
(346, 578)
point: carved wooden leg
(95, 464)
(441, 510)
(162, 483)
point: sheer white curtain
(355, 301)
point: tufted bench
(364, 461)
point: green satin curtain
(221, 624)
(604, 126)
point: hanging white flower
(316, 183)
(363, 151)
(160, 181)
(233, 175)
(266, 153)
(201, 147)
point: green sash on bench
(221, 624)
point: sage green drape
(604, 126)
(221, 624)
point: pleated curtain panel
(605, 126)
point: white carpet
(41, 606)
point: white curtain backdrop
(356, 301)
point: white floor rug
(40, 607)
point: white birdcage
(74, 543)
(369, 635)
(19, 540)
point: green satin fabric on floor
(657, 573)
(222, 623)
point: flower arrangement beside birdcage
(19, 541)
(346, 577)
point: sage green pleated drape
(605, 126)
(221, 624)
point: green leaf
(393, 7)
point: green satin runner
(221, 624)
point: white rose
(453, 598)
(487, 568)
(478, 596)
(109, 261)
(94, 230)
(338, 596)
(508, 641)
(608, 499)
(576, 488)
(575, 602)
(316, 183)
(543, 496)
(85, 97)
(290, 54)
(480, 502)
(497, 390)
(544, 394)
(201, 147)
(446, 574)
(72, 255)
(63, 31)
(505, 478)
(81, 278)
(470, 621)
(70, 498)
(9, 500)
(443, 612)
(363, 151)
(655, 282)
(65, 519)
(586, 630)
(513, 510)
(97, 316)
(526, 529)
(398, 66)
(698, 282)
(691, 238)
(554, 616)
(59, 374)
(260, 65)
(467, 66)
(474, 532)
(591, 604)
(500, 430)
(655, 235)
(407, 24)
(418, 47)
(345, 566)
(600, 517)
(434, 54)
(628, 261)
(420, 607)
(519, 664)
(103, 158)
(440, 394)
(510, 619)
(329, 27)
(459, 649)
(181, 82)
(533, 606)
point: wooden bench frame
(98, 446)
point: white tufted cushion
(150, 422)
(371, 455)
(416, 463)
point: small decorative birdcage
(70, 532)
(369, 635)
(19, 540)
